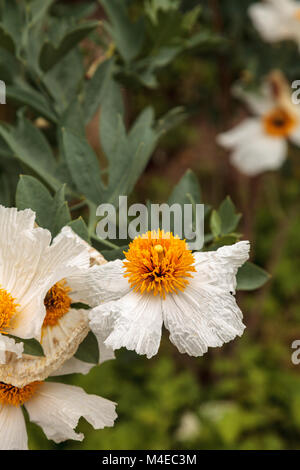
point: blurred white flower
(189, 428)
(277, 20)
(259, 143)
(55, 407)
(214, 411)
(161, 281)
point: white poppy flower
(277, 20)
(55, 407)
(259, 143)
(39, 283)
(61, 319)
(161, 281)
(29, 267)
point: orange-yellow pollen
(57, 303)
(159, 263)
(11, 395)
(279, 122)
(160, 251)
(8, 309)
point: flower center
(10, 395)
(297, 14)
(279, 123)
(158, 262)
(8, 309)
(57, 303)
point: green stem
(105, 242)
(79, 205)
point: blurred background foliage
(60, 61)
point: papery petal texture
(13, 434)
(112, 285)
(57, 409)
(134, 322)
(204, 314)
(29, 266)
(73, 366)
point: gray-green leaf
(250, 277)
(88, 350)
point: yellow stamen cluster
(279, 122)
(57, 303)
(10, 395)
(158, 262)
(8, 309)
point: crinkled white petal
(82, 259)
(20, 258)
(21, 250)
(64, 258)
(106, 353)
(133, 322)
(73, 366)
(76, 366)
(8, 345)
(91, 284)
(85, 284)
(264, 153)
(12, 221)
(247, 131)
(111, 283)
(88, 286)
(57, 409)
(219, 268)
(101, 322)
(59, 342)
(199, 318)
(13, 434)
(54, 337)
(95, 257)
(205, 314)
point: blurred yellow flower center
(279, 123)
(158, 262)
(10, 395)
(57, 303)
(297, 14)
(8, 309)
